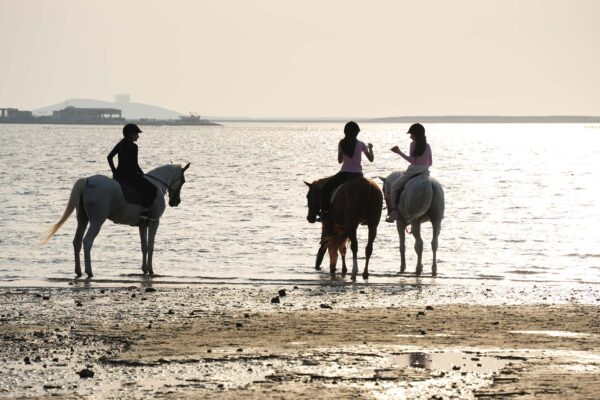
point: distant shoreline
(216, 121)
(462, 119)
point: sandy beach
(418, 340)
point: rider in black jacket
(128, 171)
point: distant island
(96, 112)
(92, 116)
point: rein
(167, 186)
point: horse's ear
(186, 167)
(307, 184)
(382, 178)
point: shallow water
(521, 202)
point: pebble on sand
(86, 373)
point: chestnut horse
(357, 201)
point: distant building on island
(75, 115)
(14, 114)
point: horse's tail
(73, 200)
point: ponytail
(348, 143)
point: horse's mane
(162, 167)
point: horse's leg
(416, 231)
(88, 242)
(152, 227)
(354, 248)
(343, 254)
(320, 255)
(333, 256)
(437, 227)
(369, 249)
(402, 237)
(144, 243)
(82, 221)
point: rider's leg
(149, 195)
(395, 191)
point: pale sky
(309, 58)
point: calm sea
(521, 202)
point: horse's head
(313, 198)
(175, 185)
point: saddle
(336, 191)
(131, 193)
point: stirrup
(392, 216)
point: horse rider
(420, 160)
(128, 171)
(350, 150)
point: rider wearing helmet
(128, 170)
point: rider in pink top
(350, 150)
(420, 160)
(353, 164)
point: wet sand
(416, 340)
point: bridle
(167, 186)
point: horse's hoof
(318, 268)
(77, 276)
(365, 276)
(89, 276)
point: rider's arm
(110, 157)
(396, 150)
(369, 152)
(137, 165)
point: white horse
(421, 200)
(98, 198)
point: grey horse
(98, 198)
(421, 200)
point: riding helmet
(131, 129)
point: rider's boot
(393, 211)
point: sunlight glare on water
(521, 201)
